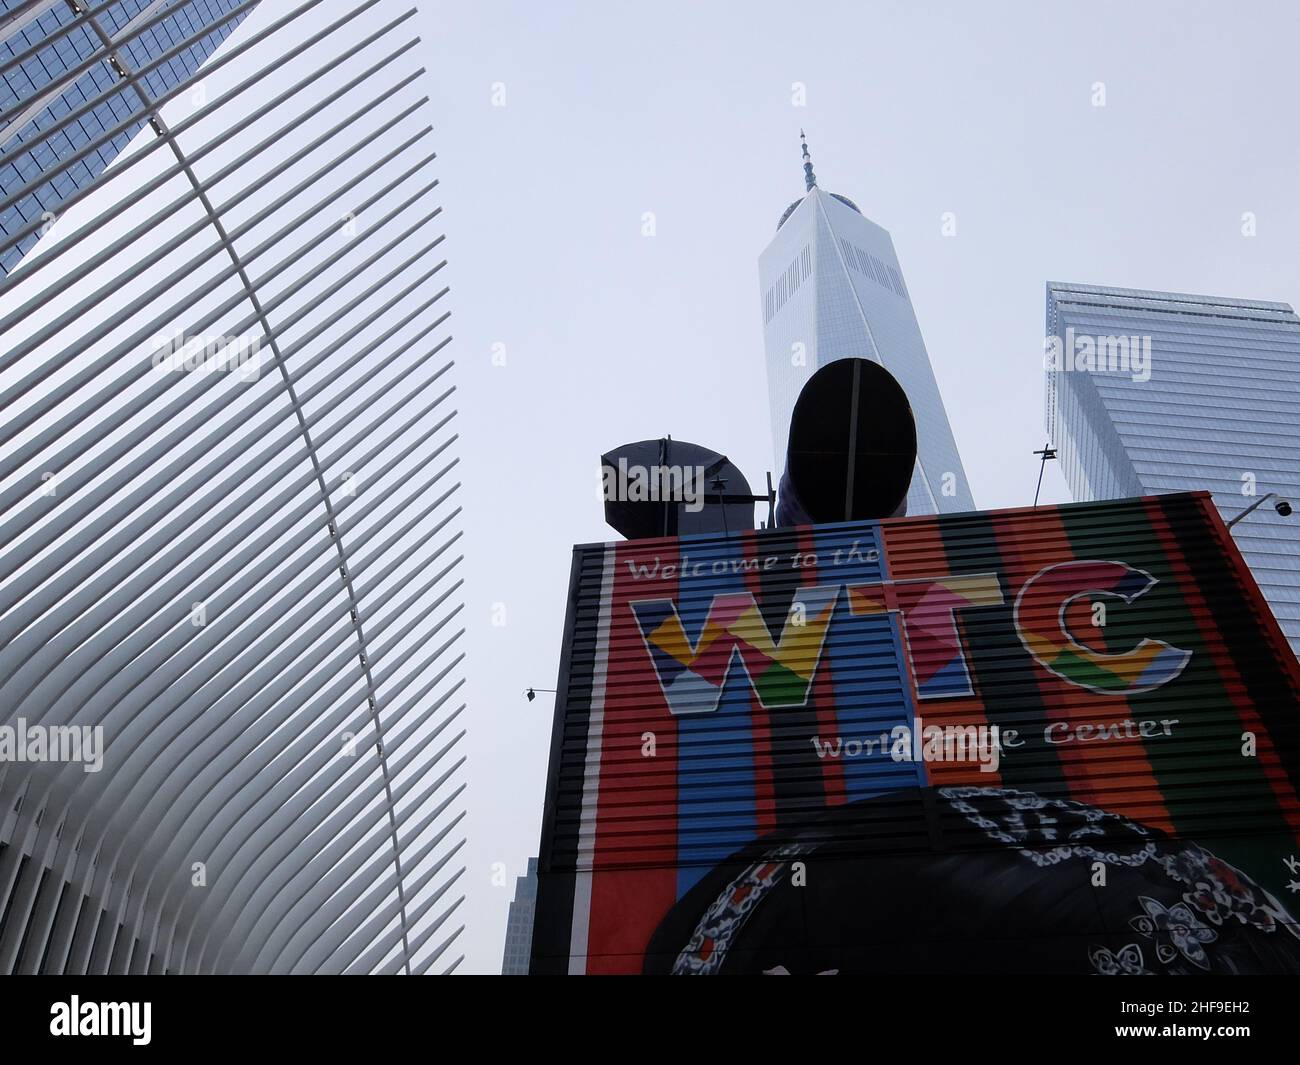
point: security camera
(1283, 508)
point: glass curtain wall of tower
(832, 288)
(1165, 392)
(57, 73)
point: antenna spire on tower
(809, 178)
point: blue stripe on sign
(919, 774)
(867, 668)
(715, 751)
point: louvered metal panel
(245, 575)
(827, 696)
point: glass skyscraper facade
(1164, 392)
(832, 289)
(43, 45)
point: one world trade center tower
(832, 289)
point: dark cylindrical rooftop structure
(852, 447)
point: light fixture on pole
(1281, 506)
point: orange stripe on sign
(1116, 775)
(915, 550)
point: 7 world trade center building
(1150, 392)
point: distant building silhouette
(519, 925)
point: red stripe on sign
(636, 813)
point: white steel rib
(245, 579)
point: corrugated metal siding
(639, 831)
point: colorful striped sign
(1111, 661)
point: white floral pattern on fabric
(1218, 891)
(1026, 820)
(1045, 832)
(1127, 961)
(1175, 930)
(707, 948)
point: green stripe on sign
(1205, 782)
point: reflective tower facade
(57, 72)
(831, 289)
(1210, 400)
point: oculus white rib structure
(228, 520)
